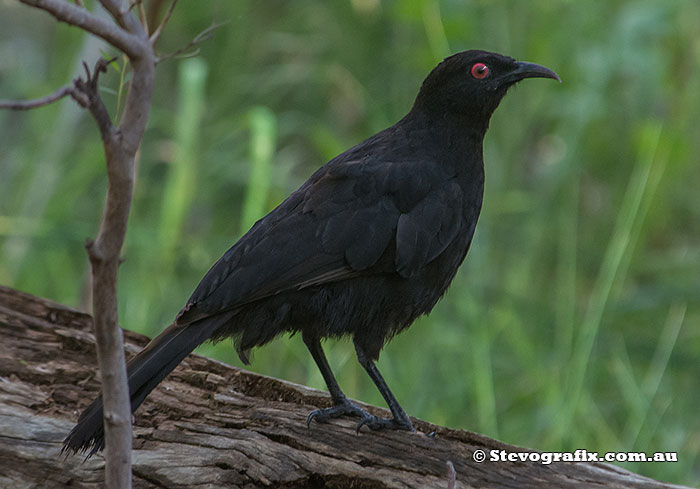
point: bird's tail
(144, 372)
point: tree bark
(211, 425)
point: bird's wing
(424, 232)
(336, 226)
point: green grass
(574, 322)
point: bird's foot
(347, 407)
(377, 423)
(343, 408)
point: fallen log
(210, 425)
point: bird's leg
(400, 421)
(341, 405)
(314, 346)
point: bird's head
(471, 84)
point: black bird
(369, 243)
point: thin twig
(39, 102)
(122, 83)
(159, 29)
(80, 17)
(143, 17)
(141, 12)
(79, 3)
(203, 36)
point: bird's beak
(531, 70)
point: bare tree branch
(39, 102)
(143, 18)
(120, 143)
(120, 146)
(104, 255)
(121, 15)
(159, 29)
(115, 10)
(81, 91)
(80, 17)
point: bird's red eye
(480, 70)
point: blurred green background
(574, 322)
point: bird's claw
(341, 409)
(352, 409)
(376, 423)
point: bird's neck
(451, 124)
(455, 140)
(468, 116)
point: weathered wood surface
(210, 425)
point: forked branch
(159, 29)
(121, 142)
(85, 93)
(80, 17)
(120, 146)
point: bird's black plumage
(369, 243)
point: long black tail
(145, 371)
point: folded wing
(351, 218)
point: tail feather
(145, 371)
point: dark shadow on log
(211, 425)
